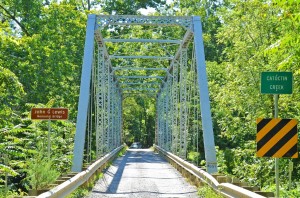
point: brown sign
(49, 114)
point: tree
(23, 15)
(252, 34)
(39, 62)
(11, 95)
(54, 51)
(127, 7)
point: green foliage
(7, 170)
(194, 157)
(40, 172)
(41, 44)
(47, 62)
(11, 93)
(79, 192)
(127, 7)
(84, 191)
(22, 142)
(123, 151)
(242, 163)
(254, 42)
(284, 190)
(205, 191)
(23, 59)
(7, 194)
(138, 123)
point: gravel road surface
(144, 174)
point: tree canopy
(41, 44)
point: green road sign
(276, 83)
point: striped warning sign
(277, 138)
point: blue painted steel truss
(180, 73)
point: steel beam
(208, 134)
(174, 92)
(140, 68)
(169, 114)
(132, 95)
(140, 83)
(138, 92)
(172, 120)
(105, 20)
(134, 77)
(84, 94)
(100, 102)
(186, 40)
(140, 88)
(142, 57)
(142, 41)
(183, 105)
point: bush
(194, 157)
(206, 191)
(7, 194)
(40, 172)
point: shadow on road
(143, 173)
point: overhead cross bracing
(129, 55)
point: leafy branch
(8, 14)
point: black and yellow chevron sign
(277, 138)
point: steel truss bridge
(161, 57)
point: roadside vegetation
(41, 45)
(206, 191)
(86, 189)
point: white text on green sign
(276, 82)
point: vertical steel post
(276, 159)
(183, 105)
(169, 112)
(290, 173)
(100, 127)
(208, 135)
(109, 110)
(159, 110)
(120, 118)
(157, 122)
(84, 94)
(175, 109)
(166, 129)
(106, 103)
(114, 116)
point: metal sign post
(276, 158)
(276, 83)
(49, 114)
(290, 173)
(49, 143)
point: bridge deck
(142, 173)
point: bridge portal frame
(194, 29)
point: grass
(122, 151)
(207, 192)
(84, 191)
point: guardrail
(80, 178)
(219, 183)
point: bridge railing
(195, 174)
(198, 176)
(80, 178)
